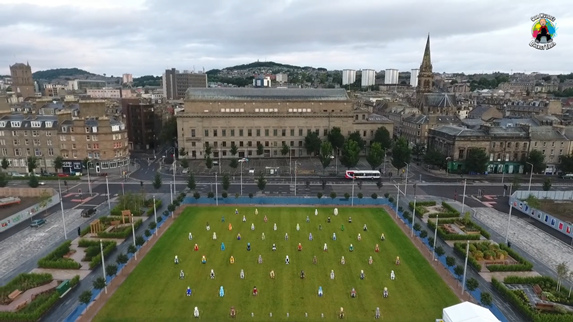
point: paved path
(27, 296)
(531, 239)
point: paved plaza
(531, 239)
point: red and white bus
(362, 174)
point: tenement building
(269, 116)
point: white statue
(196, 312)
(242, 274)
(253, 226)
(336, 211)
(275, 227)
(214, 236)
(263, 236)
(392, 275)
(332, 274)
(244, 218)
(297, 227)
(256, 211)
(190, 236)
(316, 212)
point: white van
(567, 176)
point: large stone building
(416, 126)
(143, 125)
(58, 130)
(22, 81)
(176, 83)
(273, 117)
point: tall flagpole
(435, 238)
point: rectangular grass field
(154, 291)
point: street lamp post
(502, 174)
(448, 165)
(155, 215)
(295, 164)
(89, 180)
(384, 162)
(435, 238)
(414, 211)
(108, 200)
(465, 266)
(353, 177)
(103, 264)
(242, 179)
(174, 166)
(407, 173)
(397, 199)
(216, 191)
(171, 191)
(133, 233)
(530, 176)
(62, 209)
(464, 197)
(508, 221)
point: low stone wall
(25, 192)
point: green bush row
(450, 208)
(460, 249)
(107, 249)
(74, 281)
(24, 282)
(523, 265)
(120, 234)
(546, 283)
(158, 204)
(56, 259)
(420, 209)
(444, 235)
(36, 314)
(40, 178)
(116, 211)
(509, 296)
(85, 231)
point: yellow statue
(232, 260)
(230, 227)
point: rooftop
(273, 94)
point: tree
(312, 143)
(58, 163)
(234, 163)
(401, 154)
(191, 184)
(85, 162)
(157, 181)
(515, 183)
(336, 138)
(99, 283)
(208, 162)
(486, 299)
(476, 161)
(45, 199)
(434, 157)
(85, 297)
(3, 179)
(285, 149)
(139, 240)
(325, 155)
(131, 249)
(261, 181)
(440, 251)
(450, 261)
(350, 154)
(33, 181)
(375, 155)
(459, 271)
(5, 164)
(537, 158)
(226, 181)
(182, 152)
(234, 149)
(111, 270)
(355, 136)
(547, 184)
(383, 137)
(122, 257)
(184, 163)
(418, 150)
(333, 195)
(260, 148)
(169, 131)
(566, 163)
(32, 163)
(472, 284)
(208, 149)
(562, 272)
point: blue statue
(222, 246)
(222, 218)
(310, 236)
(320, 291)
(188, 291)
(248, 246)
(221, 292)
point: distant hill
(266, 64)
(52, 74)
(148, 80)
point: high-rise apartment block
(175, 83)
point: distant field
(154, 292)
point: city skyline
(145, 37)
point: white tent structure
(467, 312)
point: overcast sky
(145, 37)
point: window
(215, 132)
(508, 145)
(325, 132)
(88, 137)
(223, 132)
(193, 133)
(35, 133)
(266, 143)
(36, 142)
(266, 132)
(65, 155)
(291, 143)
(4, 151)
(1, 133)
(88, 129)
(275, 132)
(48, 133)
(51, 152)
(89, 146)
(552, 144)
(16, 142)
(18, 152)
(299, 132)
(232, 132)
(193, 144)
(249, 132)
(63, 146)
(291, 132)
(283, 132)
(206, 133)
(14, 133)
(73, 146)
(240, 132)
(94, 137)
(25, 133)
(249, 143)
(224, 144)
(308, 131)
(2, 142)
(535, 145)
(49, 142)
(258, 132)
(299, 144)
(72, 138)
(38, 152)
(544, 144)
(241, 144)
(516, 145)
(62, 138)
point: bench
(545, 306)
(12, 296)
(449, 229)
(21, 306)
(537, 289)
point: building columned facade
(270, 117)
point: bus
(362, 174)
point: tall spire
(427, 60)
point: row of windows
(25, 133)
(225, 144)
(267, 132)
(19, 152)
(17, 142)
(24, 163)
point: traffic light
(379, 185)
(141, 182)
(505, 187)
(65, 183)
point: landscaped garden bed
(57, 258)
(93, 250)
(425, 207)
(496, 258)
(113, 227)
(449, 229)
(548, 306)
(37, 307)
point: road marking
(51, 228)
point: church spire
(427, 60)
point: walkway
(27, 296)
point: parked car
(41, 183)
(37, 223)
(48, 174)
(18, 175)
(88, 212)
(185, 171)
(63, 175)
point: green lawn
(154, 292)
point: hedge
(420, 207)
(460, 249)
(126, 232)
(56, 259)
(41, 178)
(85, 231)
(443, 234)
(108, 247)
(444, 215)
(546, 283)
(74, 281)
(509, 296)
(158, 204)
(24, 282)
(523, 265)
(450, 208)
